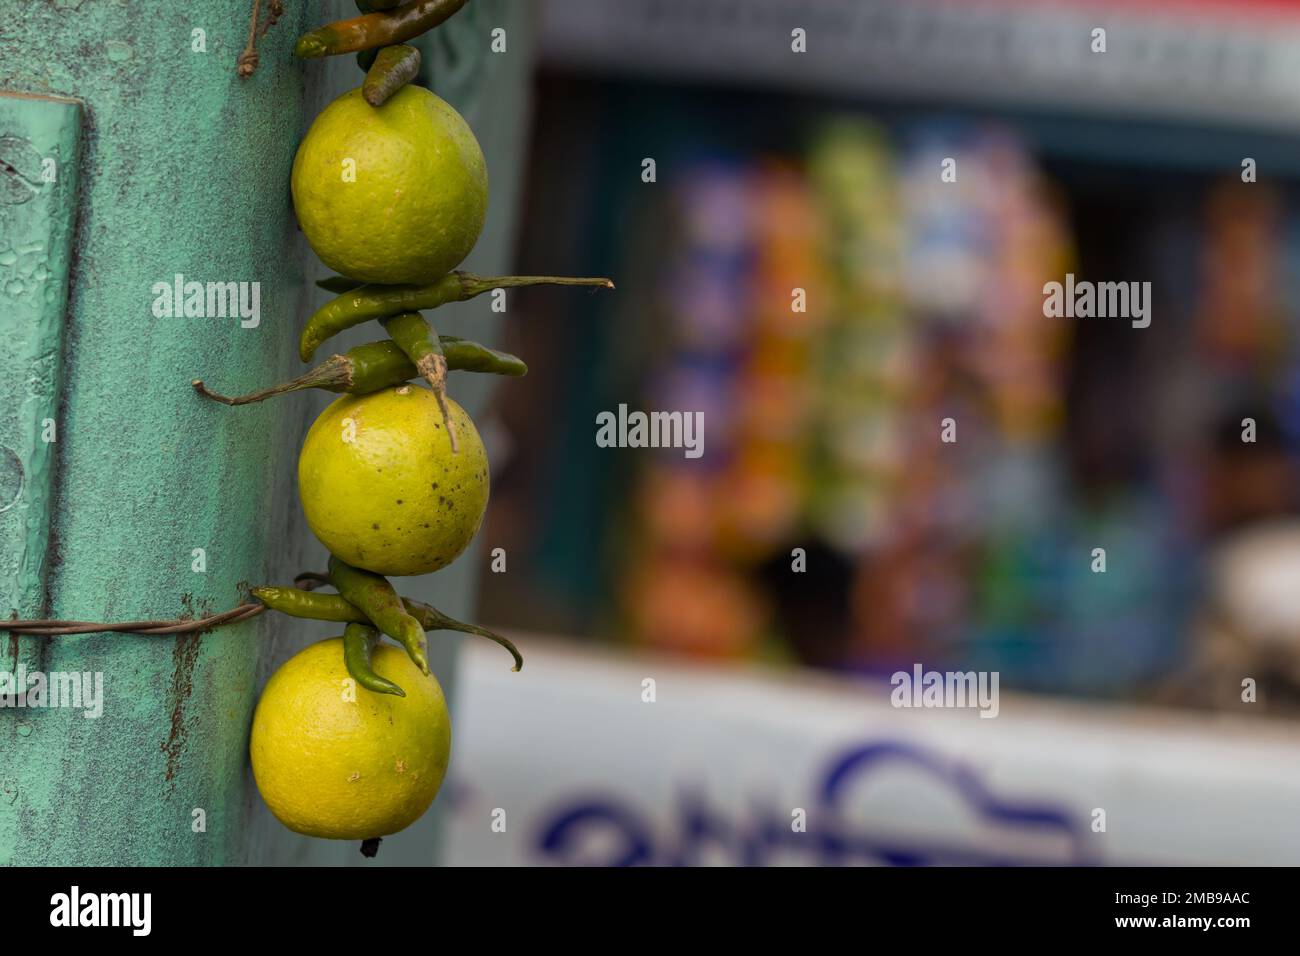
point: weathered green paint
(39, 139)
(184, 169)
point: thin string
(307, 581)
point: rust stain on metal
(185, 654)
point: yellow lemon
(381, 488)
(393, 194)
(335, 760)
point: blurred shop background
(1174, 447)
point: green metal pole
(155, 503)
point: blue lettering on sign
(605, 831)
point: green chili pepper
(431, 619)
(361, 370)
(394, 67)
(374, 596)
(376, 29)
(333, 607)
(419, 342)
(299, 603)
(377, 365)
(414, 335)
(358, 639)
(464, 355)
(381, 301)
(368, 368)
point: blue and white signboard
(591, 759)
